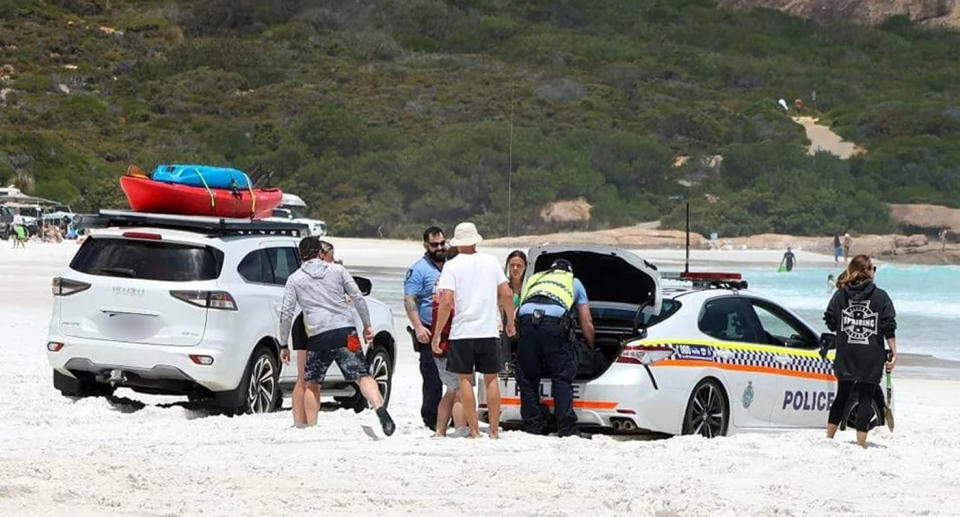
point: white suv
(182, 305)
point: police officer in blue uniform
(418, 292)
(547, 305)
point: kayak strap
(213, 201)
(253, 200)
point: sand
(149, 456)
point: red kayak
(146, 195)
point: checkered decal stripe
(770, 360)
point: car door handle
(784, 359)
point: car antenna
(686, 266)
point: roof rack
(220, 226)
(706, 280)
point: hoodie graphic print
(863, 317)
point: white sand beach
(96, 457)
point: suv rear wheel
(381, 370)
(259, 386)
(83, 385)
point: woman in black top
(863, 317)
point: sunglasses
(437, 244)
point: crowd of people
(468, 313)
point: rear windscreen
(147, 260)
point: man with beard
(418, 291)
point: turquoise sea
(927, 299)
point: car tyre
(82, 386)
(260, 385)
(381, 369)
(707, 413)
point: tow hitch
(113, 378)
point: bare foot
(494, 436)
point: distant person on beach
(20, 233)
(831, 284)
(789, 260)
(798, 104)
(847, 244)
(943, 239)
(837, 248)
(863, 317)
(319, 288)
(419, 290)
(475, 285)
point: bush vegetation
(389, 115)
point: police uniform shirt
(554, 310)
(420, 283)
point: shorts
(323, 349)
(448, 378)
(837, 252)
(473, 354)
(299, 333)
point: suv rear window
(147, 260)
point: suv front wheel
(259, 386)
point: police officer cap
(563, 264)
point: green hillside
(395, 114)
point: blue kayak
(202, 176)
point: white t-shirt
(17, 220)
(474, 280)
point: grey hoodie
(319, 288)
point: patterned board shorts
(323, 349)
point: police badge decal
(747, 395)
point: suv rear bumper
(157, 367)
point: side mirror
(827, 342)
(364, 284)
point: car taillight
(644, 354)
(54, 346)
(65, 286)
(209, 299)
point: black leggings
(864, 392)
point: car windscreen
(147, 260)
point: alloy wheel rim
(707, 415)
(381, 374)
(262, 386)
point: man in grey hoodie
(320, 289)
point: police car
(703, 356)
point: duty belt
(544, 319)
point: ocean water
(927, 299)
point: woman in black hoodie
(863, 317)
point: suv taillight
(209, 299)
(65, 286)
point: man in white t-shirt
(475, 284)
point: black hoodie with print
(863, 317)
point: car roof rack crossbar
(219, 226)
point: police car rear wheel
(708, 413)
